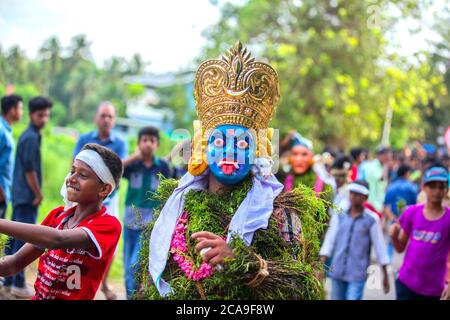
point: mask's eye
(242, 144)
(218, 142)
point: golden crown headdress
(236, 90)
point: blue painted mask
(230, 153)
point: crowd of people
(397, 200)
(21, 185)
(394, 201)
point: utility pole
(385, 141)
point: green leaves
(71, 78)
(292, 267)
(333, 68)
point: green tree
(50, 57)
(336, 75)
(437, 112)
(16, 64)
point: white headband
(96, 163)
(358, 188)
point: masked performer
(304, 168)
(226, 230)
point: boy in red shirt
(74, 243)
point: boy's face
(436, 191)
(357, 199)
(362, 156)
(341, 178)
(40, 118)
(17, 112)
(84, 186)
(148, 145)
(386, 158)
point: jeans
(404, 293)
(3, 207)
(25, 214)
(131, 249)
(347, 290)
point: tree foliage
(70, 77)
(337, 75)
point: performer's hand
(219, 247)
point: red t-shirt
(76, 274)
(354, 172)
(369, 206)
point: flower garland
(179, 250)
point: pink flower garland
(179, 250)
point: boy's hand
(321, 273)
(37, 200)
(446, 293)
(219, 248)
(137, 154)
(394, 230)
(386, 284)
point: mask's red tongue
(228, 168)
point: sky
(168, 33)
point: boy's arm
(137, 155)
(377, 239)
(326, 251)
(376, 235)
(3, 160)
(386, 284)
(47, 237)
(446, 293)
(29, 155)
(12, 264)
(389, 215)
(33, 182)
(387, 211)
(399, 237)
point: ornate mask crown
(236, 90)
